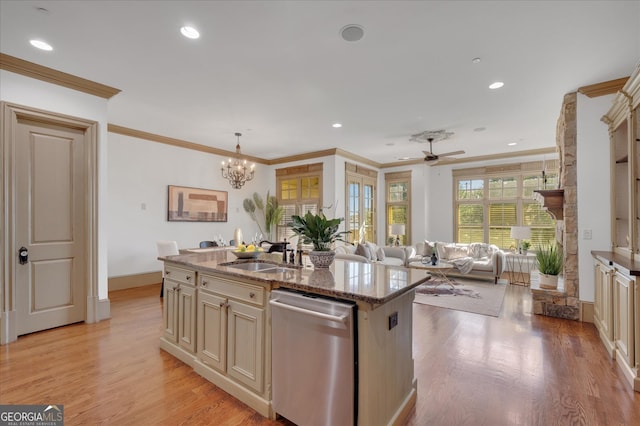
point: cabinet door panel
(169, 313)
(246, 344)
(603, 301)
(187, 318)
(212, 330)
(624, 317)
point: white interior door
(49, 222)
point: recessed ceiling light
(390, 144)
(190, 32)
(479, 129)
(41, 45)
(512, 143)
(476, 60)
(352, 32)
(496, 85)
(336, 125)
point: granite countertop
(373, 283)
(629, 266)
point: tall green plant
(549, 260)
(267, 214)
(316, 229)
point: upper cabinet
(623, 119)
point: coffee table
(439, 270)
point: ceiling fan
(430, 156)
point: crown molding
(603, 88)
(114, 128)
(39, 72)
(121, 130)
(323, 153)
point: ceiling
(281, 74)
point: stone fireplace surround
(564, 302)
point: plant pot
(548, 281)
(321, 259)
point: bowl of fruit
(247, 252)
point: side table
(519, 267)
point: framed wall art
(196, 205)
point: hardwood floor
(518, 369)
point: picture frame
(187, 204)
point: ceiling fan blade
(446, 154)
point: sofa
(474, 259)
(370, 252)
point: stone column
(556, 303)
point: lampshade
(397, 229)
(520, 232)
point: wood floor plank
(518, 369)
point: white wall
(139, 173)
(420, 195)
(32, 93)
(594, 187)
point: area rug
(476, 296)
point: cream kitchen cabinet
(624, 313)
(603, 304)
(179, 314)
(617, 310)
(232, 339)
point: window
(398, 205)
(299, 189)
(361, 202)
(490, 200)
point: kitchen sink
(252, 266)
(277, 269)
(259, 267)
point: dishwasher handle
(341, 318)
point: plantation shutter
(502, 216)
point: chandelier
(236, 171)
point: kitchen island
(217, 319)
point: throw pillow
(373, 250)
(380, 254)
(363, 251)
(428, 248)
(456, 252)
(479, 250)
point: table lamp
(520, 233)
(397, 229)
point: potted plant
(549, 260)
(316, 229)
(525, 246)
(269, 213)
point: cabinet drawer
(180, 275)
(233, 289)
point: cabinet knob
(167, 272)
(204, 283)
(188, 277)
(252, 295)
(222, 304)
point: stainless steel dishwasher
(314, 359)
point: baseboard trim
(135, 280)
(587, 312)
(104, 309)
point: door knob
(23, 255)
